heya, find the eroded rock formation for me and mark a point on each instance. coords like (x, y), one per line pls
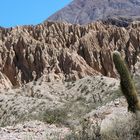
(65, 51)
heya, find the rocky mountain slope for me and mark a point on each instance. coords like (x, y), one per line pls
(65, 51)
(53, 84)
(86, 11)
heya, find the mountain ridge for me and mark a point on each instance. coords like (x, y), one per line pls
(86, 11)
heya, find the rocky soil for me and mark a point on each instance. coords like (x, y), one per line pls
(90, 107)
(33, 130)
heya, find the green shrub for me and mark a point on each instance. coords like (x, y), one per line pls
(57, 116)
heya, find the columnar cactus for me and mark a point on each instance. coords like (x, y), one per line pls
(126, 82)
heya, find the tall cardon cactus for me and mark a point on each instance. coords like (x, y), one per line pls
(126, 82)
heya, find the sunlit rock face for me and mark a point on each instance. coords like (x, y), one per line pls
(65, 51)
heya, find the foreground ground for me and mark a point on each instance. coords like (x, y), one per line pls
(90, 108)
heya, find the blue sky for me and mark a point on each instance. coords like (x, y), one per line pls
(24, 12)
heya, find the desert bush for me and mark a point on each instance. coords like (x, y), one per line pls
(53, 116)
(87, 131)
